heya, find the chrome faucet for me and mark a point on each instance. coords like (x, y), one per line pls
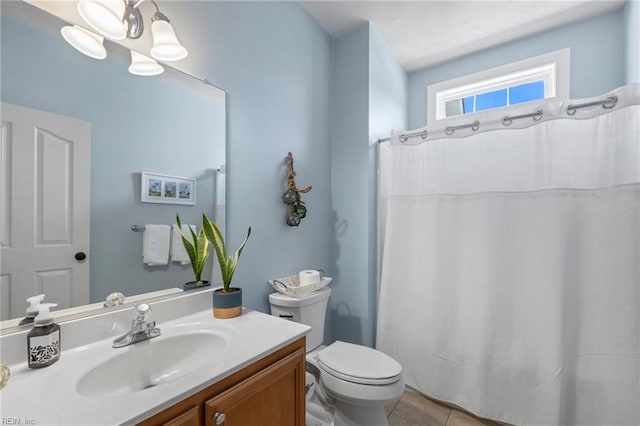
(142, 328)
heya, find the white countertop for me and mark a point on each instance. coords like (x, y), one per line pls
(48, 396)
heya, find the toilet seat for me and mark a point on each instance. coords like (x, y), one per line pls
(359, 364)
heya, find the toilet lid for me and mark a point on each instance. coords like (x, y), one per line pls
(359, 364)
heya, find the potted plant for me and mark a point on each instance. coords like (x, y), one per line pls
(227, 301)
(198, 250)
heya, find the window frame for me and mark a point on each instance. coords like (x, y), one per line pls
(552, 67)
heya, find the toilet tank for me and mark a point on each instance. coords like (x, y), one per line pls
(310, 310)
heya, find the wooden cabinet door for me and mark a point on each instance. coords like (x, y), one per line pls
(273, 396)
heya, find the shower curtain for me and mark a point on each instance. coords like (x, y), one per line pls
(510, 263)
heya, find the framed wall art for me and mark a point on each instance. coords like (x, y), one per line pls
(165, 189)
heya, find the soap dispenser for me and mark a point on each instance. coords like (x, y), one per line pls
(43, 341)
(32, 309)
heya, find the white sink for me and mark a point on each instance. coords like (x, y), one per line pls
(151, 363)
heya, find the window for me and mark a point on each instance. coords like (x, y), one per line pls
(534, 79)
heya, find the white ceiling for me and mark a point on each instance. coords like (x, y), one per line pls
(428, 32)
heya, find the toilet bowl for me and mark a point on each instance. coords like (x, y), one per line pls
(347, 384)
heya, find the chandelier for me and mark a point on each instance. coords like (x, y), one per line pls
(121, 19)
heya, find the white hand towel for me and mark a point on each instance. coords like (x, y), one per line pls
(155, 244)
(178, 252)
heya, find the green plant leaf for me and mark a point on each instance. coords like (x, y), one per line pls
(227, 265)
(196, 247)
(214, 236)
(233, 260)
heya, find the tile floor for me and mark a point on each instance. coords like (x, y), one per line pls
(415, 410)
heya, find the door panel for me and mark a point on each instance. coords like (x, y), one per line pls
(53, 189)
(56, 284)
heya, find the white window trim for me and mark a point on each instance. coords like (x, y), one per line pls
(552, 67)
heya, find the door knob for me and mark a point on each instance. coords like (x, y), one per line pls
(80, 256)
(219, 418)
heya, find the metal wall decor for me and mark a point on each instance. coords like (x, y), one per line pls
(297, 210)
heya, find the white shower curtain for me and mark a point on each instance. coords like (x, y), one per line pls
(510, 264)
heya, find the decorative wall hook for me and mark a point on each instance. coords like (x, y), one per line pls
(297, 210)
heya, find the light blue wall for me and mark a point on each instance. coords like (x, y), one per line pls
(42, 71)
(274, 63)
(350, 314)
(369, 90)
(632, 33)
(387, 110)
(597, 60)
(387, 89)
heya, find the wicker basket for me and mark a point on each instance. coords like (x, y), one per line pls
(291, 285)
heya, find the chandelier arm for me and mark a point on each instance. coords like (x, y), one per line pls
(157, 8)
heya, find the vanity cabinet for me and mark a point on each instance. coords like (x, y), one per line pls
(268, 392)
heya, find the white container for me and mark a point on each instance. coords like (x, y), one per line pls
(308, 310)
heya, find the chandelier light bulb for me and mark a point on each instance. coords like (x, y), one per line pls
(144, 65)
(104, 16)
(85, 41)
(165, 43)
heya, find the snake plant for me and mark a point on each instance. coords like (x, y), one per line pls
(197, 248)
(227, 264)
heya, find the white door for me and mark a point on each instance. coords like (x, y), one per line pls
(44, 191)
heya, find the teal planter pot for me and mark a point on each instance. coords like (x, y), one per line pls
(227, 305)
(195, 285)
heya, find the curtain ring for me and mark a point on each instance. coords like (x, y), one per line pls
(424, 135)
(449, 131)
(475, 126)
(403, 138)
(610, 102)
(538, 116)
(506, 121)
(571, 110)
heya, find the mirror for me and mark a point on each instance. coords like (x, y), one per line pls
(172, 124)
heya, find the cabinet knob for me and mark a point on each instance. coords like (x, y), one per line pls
(219, 418)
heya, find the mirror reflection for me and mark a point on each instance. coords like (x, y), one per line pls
(76, 135)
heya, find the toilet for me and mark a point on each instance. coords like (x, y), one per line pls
(347, 384)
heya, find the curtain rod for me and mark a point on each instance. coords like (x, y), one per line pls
(608, 103)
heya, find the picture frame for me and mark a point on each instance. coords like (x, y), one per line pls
(166, 189)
